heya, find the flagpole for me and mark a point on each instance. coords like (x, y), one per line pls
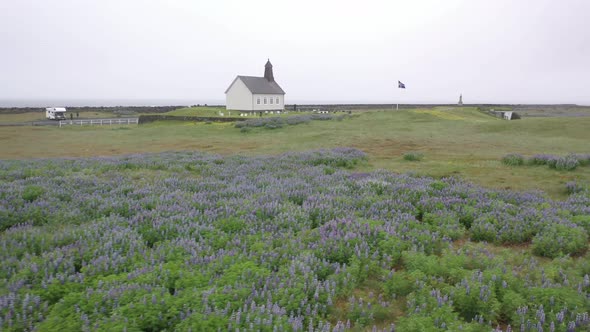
(397, 99)
(393, 98)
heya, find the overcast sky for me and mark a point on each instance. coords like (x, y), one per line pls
(496, 51)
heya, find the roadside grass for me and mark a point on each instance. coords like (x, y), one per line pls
(458, 142)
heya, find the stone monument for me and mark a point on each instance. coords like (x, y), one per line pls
(461, 100)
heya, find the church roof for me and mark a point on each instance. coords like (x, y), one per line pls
(259, 85)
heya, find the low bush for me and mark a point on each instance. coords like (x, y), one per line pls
(573, 187)
(399, 284)
(567, 163)
(279, 122)
(558, 240)
(413, 156)
(583, 159)
(31, 193)
(273, 125)
(541, 159)
(513, 159)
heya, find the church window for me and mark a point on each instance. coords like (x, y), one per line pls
(258, 101)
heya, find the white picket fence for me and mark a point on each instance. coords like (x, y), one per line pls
(99, 122)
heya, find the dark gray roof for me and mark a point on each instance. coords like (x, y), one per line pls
(259, 85)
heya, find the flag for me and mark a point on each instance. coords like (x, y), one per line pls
(401, 85)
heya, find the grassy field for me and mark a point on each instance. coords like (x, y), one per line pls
(132, 242)
(454, 141)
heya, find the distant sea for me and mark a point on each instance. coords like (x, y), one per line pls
(104, 102)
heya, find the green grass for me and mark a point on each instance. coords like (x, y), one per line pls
(457, 142)
(197, 111)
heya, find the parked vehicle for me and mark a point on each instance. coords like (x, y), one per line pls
(55, 113)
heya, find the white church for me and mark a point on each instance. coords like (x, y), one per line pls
(255, 94)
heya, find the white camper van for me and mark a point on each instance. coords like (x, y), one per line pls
(55, 113)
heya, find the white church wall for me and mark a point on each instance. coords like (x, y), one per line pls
(238, 97)
(268, 106)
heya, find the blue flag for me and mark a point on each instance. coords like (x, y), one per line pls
(401, 85)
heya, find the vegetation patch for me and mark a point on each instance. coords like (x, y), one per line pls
(298, 241)
(513, 159)
(564, 163)
(280, 122)
(447, 115)
(413, 156)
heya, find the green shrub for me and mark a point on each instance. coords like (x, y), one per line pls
(32, 192)
(445, 223)
(394, 247)
(567, 163)
(573, 187)
(513, 159)
(329, 170)
(438, 185)
(273, 125)
(413, 156)
(230, 225)
(484, 229)
(466, 215)
(542, 159)
(584, 159)
(582, 221)
(511, 301)
(557, 240)
(400, 284)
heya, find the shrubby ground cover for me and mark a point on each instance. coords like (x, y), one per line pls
(413, 156)
(567, 163)
(300, 241)
(279, 122)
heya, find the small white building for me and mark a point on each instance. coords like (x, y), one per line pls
(255, 94)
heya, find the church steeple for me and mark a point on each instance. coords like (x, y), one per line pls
(268, 71)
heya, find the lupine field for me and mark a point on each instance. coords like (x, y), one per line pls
(295, 242)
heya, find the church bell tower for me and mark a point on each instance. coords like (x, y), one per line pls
(268, 71)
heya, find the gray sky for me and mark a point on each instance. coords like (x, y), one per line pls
(496, 51)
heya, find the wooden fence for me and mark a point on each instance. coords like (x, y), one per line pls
(99, 122)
